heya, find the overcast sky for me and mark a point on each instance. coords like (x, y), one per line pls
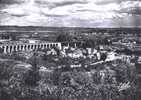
(71, 13)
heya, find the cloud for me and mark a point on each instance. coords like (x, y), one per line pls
(10, 1)
(104, 2)
(59, 3)
(131, 11)
(83, 13)
(130, 7)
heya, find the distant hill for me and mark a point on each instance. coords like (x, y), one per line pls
(65, 29)
(38, 28)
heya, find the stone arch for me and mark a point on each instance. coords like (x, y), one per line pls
(10, 49)
(54, 45)
(7, 48)
(41, 45)
(47, 45)
(51, 45)
(35, 46)
(44, 45)
(22, 47)
(28, 47)
(18, 47)
(4, 49)
(25, 47)
(32, 46)
(14, 47)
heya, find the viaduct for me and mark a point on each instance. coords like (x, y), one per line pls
(8, 48)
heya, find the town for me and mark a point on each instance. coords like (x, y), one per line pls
(70, 63)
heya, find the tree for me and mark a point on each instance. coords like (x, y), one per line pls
(103, 56)
(89, 43)
(13, 37)
(64, 38)
(32, 76)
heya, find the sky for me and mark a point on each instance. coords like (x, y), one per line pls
(71, 13)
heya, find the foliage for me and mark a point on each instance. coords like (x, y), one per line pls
(32, 76)
(64, 38)
(110, 81)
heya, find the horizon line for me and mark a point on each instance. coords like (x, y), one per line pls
(68, 26)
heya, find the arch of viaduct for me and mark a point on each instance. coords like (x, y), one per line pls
(8, 48)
